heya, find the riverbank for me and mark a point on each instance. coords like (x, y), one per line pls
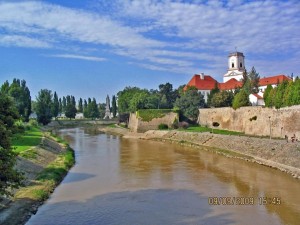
(44, 167)
(274, 153)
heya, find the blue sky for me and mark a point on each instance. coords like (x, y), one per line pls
(97, 47)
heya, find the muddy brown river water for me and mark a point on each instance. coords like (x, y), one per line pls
(129, 181)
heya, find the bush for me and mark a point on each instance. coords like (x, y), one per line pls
(33, 123)
(183, 125)
(19, 127)
(163, 126)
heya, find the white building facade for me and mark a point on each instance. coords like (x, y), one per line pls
(236, 67)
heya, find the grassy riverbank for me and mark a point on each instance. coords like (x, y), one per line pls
(46, 181)
(45, 160)
(31, 137)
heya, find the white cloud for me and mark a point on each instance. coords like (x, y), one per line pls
(170, 35)
(82, 57)
(22, 41)
(72, 24)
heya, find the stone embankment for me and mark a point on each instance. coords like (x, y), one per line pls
(17, 210)
(275, 153)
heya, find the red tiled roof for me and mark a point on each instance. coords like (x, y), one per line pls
(273, 80)
(207, 83)
(230, 84)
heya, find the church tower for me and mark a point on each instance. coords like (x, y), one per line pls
(236, 66)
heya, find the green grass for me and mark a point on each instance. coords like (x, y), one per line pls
(197, 128)
(56, 170)
(149, 114)
(48, 179)
(112, 125)
(24, 141)
(29, 154)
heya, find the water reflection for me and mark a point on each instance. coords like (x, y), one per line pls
(124, 181)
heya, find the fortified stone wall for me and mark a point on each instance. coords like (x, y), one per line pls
(137, 125)
(255, 120)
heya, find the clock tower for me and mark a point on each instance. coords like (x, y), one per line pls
(236, 66)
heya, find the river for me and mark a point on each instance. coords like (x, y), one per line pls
(129, 181)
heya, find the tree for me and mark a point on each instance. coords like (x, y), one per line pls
(241, 99)
(114, 106)
(267, 96)
(93, 109)
(212, 93)
(132, 99)
(43, 106)
(80, 106)
(84, 105)
(251, 81)
(70, 107)
(73, 101)
(55, 106)
(21, 95)
(222, 99)
(9, 177)
(280, 94)
(64, 104)
(166, 91)
(189, 104)
(101, 109)
(60, 106)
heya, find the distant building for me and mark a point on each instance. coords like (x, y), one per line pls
(79, 116)
(232, 79)
(33, 115)
(257, 99)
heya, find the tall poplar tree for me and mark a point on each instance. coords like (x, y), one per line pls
(55, 106)
(43, 106)
(114, 106)
(80, 106)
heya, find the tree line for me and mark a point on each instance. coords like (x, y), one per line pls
(187, 102)
(48, 105)
(285, 94)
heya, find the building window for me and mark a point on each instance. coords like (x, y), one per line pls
(232, 65)
(241, 65)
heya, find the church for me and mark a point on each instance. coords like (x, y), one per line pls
(232, 79)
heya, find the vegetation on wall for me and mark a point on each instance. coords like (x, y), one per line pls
(149, 114)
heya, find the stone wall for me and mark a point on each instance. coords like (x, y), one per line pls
(137, 125)
(254, 120)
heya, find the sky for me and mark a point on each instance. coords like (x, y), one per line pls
(97, 47)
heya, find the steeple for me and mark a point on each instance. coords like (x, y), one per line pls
(236, 66)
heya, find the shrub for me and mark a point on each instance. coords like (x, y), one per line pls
(33, 123)
(163, 126)
(183, 125)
